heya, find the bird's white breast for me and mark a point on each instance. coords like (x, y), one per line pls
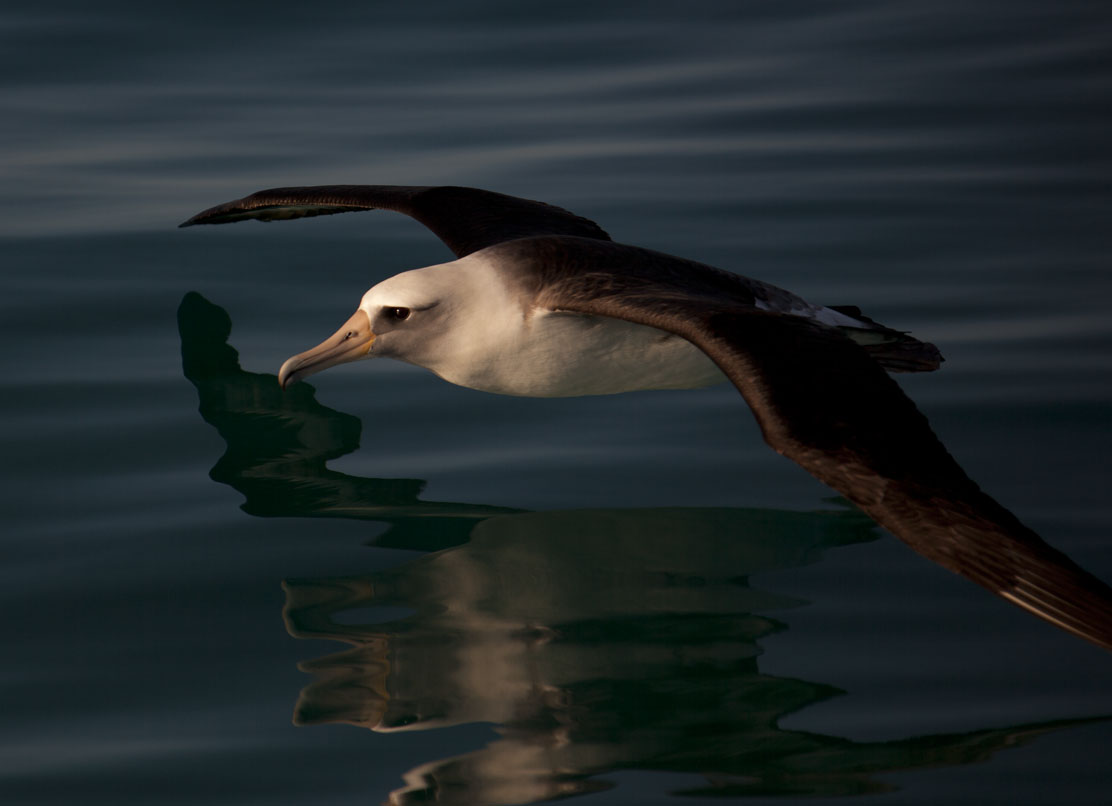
(562, 354)
(498, 344)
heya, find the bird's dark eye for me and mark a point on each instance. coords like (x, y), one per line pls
(398, 313)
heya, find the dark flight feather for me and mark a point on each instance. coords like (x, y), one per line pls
(823, 402)
(466, 219)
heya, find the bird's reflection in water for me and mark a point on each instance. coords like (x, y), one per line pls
(593, 641)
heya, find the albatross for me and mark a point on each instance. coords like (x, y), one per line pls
(541, 302)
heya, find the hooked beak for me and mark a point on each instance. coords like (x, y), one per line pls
(350, 343)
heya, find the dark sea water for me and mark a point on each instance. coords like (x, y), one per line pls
(380, 587)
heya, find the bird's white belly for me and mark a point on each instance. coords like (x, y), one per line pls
(563, 355)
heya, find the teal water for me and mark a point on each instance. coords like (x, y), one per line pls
(379, 587)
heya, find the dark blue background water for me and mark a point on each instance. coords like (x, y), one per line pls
(628, 598)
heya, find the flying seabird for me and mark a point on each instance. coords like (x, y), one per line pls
(541, 302)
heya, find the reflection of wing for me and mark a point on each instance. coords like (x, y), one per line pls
(824, 403)
(466, 219)
(279, 444)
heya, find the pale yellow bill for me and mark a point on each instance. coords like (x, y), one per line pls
(350, 343)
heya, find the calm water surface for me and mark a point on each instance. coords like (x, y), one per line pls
(383, 588)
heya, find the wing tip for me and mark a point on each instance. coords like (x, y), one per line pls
(221, 214)
(233, 212)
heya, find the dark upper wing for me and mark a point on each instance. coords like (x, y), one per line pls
(466, 219)
(823, 402)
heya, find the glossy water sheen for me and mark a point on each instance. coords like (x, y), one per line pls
(630, 599)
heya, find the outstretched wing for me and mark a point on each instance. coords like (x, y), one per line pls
(466, 219)
(823, 402)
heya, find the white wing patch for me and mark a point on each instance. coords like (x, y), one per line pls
(826, 316)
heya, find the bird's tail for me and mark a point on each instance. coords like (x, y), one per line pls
(894, 350)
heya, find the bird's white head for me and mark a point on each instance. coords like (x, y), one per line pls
(410, 317)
